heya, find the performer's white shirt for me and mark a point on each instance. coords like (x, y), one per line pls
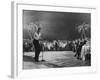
(37, 36)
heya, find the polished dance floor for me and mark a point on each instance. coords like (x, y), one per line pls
(53, 59)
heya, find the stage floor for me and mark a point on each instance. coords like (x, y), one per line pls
(53, 59)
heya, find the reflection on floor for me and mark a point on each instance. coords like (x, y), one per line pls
(53, 59)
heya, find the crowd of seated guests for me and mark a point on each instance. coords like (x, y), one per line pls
(46, 45)
(56, 45)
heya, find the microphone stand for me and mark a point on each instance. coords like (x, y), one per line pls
(42, 54)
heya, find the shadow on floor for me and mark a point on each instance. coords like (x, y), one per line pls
(28, 59)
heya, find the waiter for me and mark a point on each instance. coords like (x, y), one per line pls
(37, 47)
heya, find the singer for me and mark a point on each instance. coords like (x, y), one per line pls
(37, 47)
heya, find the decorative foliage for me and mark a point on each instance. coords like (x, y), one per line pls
(82, 29)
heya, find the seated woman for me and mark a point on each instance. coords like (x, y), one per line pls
(85, 51)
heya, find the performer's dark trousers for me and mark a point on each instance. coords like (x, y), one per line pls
(37, 49)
